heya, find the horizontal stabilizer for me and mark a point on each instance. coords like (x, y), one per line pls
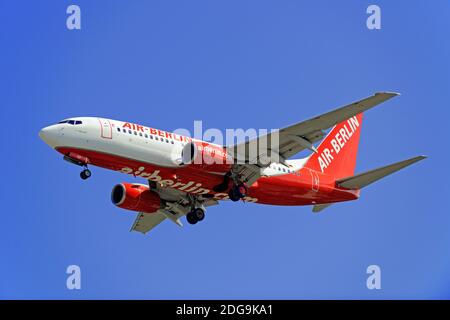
(319, 207)
(364, 179)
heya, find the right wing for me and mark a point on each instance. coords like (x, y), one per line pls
(147, 221)
(175, 205)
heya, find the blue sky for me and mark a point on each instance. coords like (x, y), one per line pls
(231, 64)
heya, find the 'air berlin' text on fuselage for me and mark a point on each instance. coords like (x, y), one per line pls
(155, 132)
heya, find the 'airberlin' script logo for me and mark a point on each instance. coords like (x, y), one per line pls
(189, 187)
(338, 142)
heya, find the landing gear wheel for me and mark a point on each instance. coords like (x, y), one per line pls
(191, 218)
(86, 173)
(199, 214)
(196, 215)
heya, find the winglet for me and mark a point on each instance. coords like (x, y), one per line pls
(388, 93)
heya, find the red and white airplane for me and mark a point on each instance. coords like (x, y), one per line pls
(180, 185)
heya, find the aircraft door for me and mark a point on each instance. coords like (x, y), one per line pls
(315, 182)
(105, 128)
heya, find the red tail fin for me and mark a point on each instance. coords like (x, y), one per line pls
(336, 155)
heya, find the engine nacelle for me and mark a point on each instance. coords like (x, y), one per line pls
(135, 197)
(206, 156)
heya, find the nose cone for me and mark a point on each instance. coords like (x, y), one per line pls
(50, 135)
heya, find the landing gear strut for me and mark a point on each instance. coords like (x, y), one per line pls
(196, 215)
(86, 173)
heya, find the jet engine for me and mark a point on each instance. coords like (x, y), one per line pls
(135, 197)
(206, 156)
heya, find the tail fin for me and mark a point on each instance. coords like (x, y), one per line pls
(336, 155)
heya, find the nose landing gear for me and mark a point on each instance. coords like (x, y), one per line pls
(86, 173)
(79, 161)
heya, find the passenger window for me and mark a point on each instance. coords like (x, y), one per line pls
(156, 138)
(135, 133)
(146, 136)
(140, 133)
(129, 131)
(167, 140)
(171, 141)
(151, 137)
(118, 129)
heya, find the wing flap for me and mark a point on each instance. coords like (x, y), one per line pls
(147, 221)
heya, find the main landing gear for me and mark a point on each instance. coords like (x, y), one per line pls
(86, 173)
(196, 215)
(197, 212)
(237, 192)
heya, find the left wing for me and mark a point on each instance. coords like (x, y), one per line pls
(300, 136)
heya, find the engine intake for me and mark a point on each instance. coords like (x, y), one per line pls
(135, 197)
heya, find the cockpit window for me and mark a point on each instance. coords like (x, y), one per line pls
(72, 122)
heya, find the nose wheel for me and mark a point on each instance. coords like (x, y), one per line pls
(86, 173)
(196, 215)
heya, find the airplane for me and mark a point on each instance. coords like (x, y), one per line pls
(178, 185)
